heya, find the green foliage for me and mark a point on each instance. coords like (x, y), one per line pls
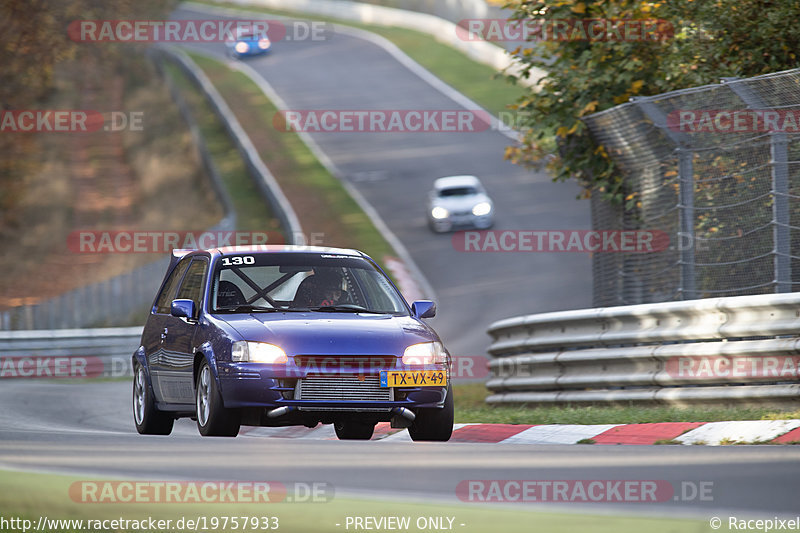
(701, 42)
(35, 40)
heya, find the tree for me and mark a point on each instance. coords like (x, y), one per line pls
(699, 42)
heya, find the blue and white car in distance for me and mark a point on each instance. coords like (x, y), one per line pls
(248, 43)
(287, 335)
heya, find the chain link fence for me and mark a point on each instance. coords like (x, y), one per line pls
(718, 169)
(123, 299)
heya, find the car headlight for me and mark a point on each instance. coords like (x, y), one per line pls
(257, 352)
(241, 47)
(483, 208)
(439, 213)
(426, 353)
(263, 43)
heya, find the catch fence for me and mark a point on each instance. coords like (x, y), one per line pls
(717, 168)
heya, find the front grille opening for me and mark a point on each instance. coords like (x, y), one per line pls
(342, 387)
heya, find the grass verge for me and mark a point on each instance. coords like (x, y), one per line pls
(30, 496)
(252, 211)
(470, 407)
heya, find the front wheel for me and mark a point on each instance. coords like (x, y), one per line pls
(434, 424)
(353, 430)
(148, 419)
(213, 419)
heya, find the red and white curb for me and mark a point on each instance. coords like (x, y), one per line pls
(708, 433)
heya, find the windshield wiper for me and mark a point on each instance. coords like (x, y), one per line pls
(248, 308)
(345, 308)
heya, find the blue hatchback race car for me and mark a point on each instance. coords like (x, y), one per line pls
(248, 43)
(287, 335)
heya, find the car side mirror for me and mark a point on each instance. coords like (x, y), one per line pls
(182, 308)
(423, 309)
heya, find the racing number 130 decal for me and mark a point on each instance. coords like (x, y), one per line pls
(239, 260)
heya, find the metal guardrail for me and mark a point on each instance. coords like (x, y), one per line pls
(68, 353)
(743, 348)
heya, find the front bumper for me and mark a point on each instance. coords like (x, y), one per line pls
(271, 386)
(252, 50)
(461, 221)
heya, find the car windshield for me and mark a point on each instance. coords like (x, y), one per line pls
(245, 35)
(328, 283)
(457, 191)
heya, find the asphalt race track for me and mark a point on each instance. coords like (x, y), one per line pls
(88, 429)
(394, 172)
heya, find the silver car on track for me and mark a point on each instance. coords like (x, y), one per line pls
(458, 202)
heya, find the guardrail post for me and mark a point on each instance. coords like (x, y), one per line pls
(686, 224)
(685, 235)
(77, 303)
(63, 318)
(31, 312)
(49, 321)
(779, 162)
(780, 212)
(105, 296)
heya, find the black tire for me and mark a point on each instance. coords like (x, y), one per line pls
(434, 424)
(148, 419)
(213, 419)
(353, 429)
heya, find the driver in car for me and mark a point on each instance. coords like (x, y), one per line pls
(331, 294)
(322, 289)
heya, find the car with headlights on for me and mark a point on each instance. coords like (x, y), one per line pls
(248, 43)
(459, 202)
(289, 335)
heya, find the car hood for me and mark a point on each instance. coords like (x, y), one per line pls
(460, 203)
(316, 333)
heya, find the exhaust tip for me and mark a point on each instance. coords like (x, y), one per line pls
(280, 411)
(408, 414)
